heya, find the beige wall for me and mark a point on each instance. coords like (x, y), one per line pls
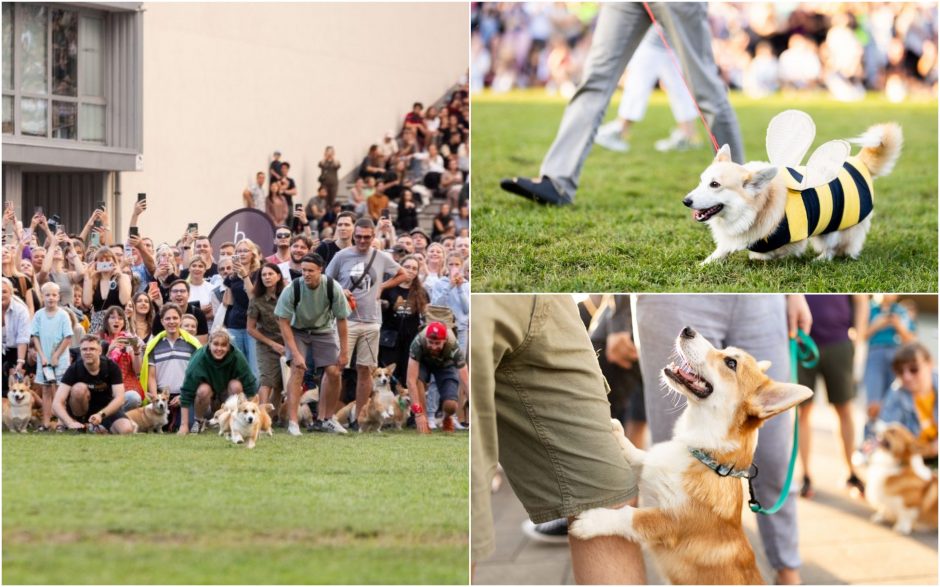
(226, 84)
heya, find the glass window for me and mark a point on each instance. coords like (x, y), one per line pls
(63, 120)
(7, 48)
(91, 123)
(32, 49)
(91, 57)
(64, 53)
(7, 114)
(33, 116)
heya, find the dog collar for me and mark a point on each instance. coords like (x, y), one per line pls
(722, 470)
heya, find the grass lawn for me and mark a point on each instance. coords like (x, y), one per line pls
(628, 230)
(361, 509)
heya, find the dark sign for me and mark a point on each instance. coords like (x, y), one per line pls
(241, 224)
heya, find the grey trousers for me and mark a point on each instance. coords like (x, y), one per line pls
(758, 325)
(620, 28)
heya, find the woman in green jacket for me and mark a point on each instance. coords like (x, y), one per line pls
(215, 372)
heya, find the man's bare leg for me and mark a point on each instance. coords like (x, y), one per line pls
(606, 560)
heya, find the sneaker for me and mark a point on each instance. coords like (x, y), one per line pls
(315, 426)
(541, 191)
(609, 137)
(554, 532)
(676, 142)
(447, 424)
(457, 424)
(432, 423)
(332, 426)
(198, 426)
(807, 489)
(293, 429)
(855, 484)
(353, 427)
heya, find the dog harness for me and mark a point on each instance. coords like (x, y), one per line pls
(837, 205)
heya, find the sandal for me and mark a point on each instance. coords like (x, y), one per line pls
(855, 483)
(807, 489)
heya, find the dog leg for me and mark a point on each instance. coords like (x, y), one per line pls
(634, 456)
(905, 523)
(719, 254)
(879, 516)
(237, 437)
(604, 522)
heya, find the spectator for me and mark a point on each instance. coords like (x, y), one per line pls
(443, 223)
(200, 290)
(402, 309)
(300, 246)
(92, 392)
(329, 178)
(435, 267)
(452, 182)
(277, 205)
(22, 287)
(343, 240)
(453, 291)
(913, 400)
(253, 196)
(247, 266)
(179, 295)
(165, 359)
(420, 239)
(312, 321)
(435, 354)
(282, 240)
(389, 145)
(215, 372)
(360, 270)
(375, 204)
(51, 332)
(142, 314)
(16, 332)
(407, 218)
(889, 326)
(373, 165)
(275, 168)
(262, 326)
(121, 346)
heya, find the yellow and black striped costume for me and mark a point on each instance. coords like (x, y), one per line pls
(839, 204)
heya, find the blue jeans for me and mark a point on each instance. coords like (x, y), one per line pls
(246, 344)
(878, 372)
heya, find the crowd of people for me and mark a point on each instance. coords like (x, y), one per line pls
(426, 161)
(103, 326)
(760, 48)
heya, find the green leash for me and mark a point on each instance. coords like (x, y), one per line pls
(803, 351)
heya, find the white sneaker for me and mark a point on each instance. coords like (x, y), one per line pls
(457, 424)
(676, 142)
(608, 136)
(293, 429)
(334, 427)
(432, 423)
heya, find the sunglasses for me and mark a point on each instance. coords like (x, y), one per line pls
(912, 369)
(282, 235)
(364, 237)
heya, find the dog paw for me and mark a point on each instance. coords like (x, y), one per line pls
(877, 518)
(250, 444)
(616, 428)
(902, 528)
(594, 523)
(237, 439)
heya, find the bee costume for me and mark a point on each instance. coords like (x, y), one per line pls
(833, 192)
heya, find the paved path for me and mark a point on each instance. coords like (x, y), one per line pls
(837, 542)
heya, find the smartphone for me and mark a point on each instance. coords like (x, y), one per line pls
(9, 204)
(384, 212)
(132, 341)
(133, 231)
(298, 207)
(141, 196)
(100, 205)
(153, 288)
(103, 266)
(37, 211)
(193, 228)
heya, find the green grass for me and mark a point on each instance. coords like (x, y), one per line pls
(362, 509)
(628, 229)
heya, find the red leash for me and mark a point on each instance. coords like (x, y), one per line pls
(675, 62)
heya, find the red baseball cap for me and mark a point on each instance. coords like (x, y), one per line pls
(436, 331)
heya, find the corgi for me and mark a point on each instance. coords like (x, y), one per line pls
(245, 422)
(402, 408)
(18, 406)
(763, 207)
(900, 486)
(223, 416)
(379, 409)
(152, 417)
(690, 514)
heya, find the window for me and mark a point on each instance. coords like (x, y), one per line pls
(53, 73)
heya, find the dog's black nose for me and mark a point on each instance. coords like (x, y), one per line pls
(687, 332)
(687, 201)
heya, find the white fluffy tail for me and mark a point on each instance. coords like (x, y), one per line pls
(881, 147)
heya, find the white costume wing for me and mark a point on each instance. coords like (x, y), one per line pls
(789, 136)
(825, 163)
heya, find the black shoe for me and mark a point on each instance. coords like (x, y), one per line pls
(315, 426)
(541, 191)
(807, 489)
(353, 427)
(856, 483)
(554, 532)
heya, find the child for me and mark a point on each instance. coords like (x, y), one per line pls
(51, 335)
(189, 324)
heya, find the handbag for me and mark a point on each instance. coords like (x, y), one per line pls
(388, 338)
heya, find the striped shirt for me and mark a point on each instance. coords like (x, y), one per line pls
(169, 361)
(843, 202)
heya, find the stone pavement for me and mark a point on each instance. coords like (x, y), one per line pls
(837, 542)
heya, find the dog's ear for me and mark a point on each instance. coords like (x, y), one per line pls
(757, 181)
(723, 154)
(391, 368)
(763, 366)
(776, 397)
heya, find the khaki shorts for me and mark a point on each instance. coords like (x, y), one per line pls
(540, 408)
(363, 340)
